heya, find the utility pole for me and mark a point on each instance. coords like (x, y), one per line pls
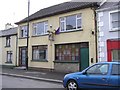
(27, 36)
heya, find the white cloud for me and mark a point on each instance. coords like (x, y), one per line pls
(14, 10)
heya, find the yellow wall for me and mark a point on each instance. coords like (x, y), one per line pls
(68, 37)
(5, 49)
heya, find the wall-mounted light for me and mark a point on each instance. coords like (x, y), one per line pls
(50, 26)
(93, 32)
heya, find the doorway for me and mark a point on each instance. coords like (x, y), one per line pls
(22, 56)
(84, 58)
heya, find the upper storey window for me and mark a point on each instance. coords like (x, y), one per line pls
(69, 23)
(114, 20)
(23, 31)
(40, 28)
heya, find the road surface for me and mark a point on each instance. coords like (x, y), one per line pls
(14, 82)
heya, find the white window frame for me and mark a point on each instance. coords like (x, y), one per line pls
(37, 51)
(64, 21)
(9, 57)
(110, 24)
(24, 31)
(8, 41)
(34, 26)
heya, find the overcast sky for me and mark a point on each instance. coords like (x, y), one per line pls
(14, 10)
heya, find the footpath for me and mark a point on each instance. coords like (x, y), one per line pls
(43, 75)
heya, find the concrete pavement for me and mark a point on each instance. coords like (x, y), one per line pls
(50, 76)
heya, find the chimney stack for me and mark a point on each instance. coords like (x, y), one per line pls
(8, 26)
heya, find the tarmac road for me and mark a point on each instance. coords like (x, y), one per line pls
(14, 83)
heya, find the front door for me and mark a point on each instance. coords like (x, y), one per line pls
(84, 58)
(22, 61)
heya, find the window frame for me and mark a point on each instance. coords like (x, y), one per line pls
(69, 49)
(11, 58)
(110, 21)
(23, 32)
(64, 21)
(112, 70)
(8, 41)
(39, 49)
(35, 31)
(118, 50)
(97, 68)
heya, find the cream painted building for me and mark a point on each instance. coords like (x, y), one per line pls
(61, 37)
(8, 47)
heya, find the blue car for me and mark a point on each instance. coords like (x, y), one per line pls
(98, 76)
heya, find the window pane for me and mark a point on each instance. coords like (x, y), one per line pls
(115, 20)
(23, 31)
(98, 69)
(39, 52)
(115, 24)
(116, 69)
(9, 56)
(115, 16)
(79, 23)
(62, 26)
(104, 69)
(46, 28)
(34, 29)
(40, 28)
(42, 54)
(36, 54)
(7, 41)
(116, 55)
(67, 52)
(70, 22)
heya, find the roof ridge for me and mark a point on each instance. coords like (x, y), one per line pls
(58, 9)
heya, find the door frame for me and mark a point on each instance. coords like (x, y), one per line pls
(20, 56)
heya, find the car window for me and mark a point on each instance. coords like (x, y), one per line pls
(115, 69)
(101, 69)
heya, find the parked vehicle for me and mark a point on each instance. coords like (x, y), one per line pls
(98, 76)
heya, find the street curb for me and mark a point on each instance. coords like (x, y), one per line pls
(34, 78)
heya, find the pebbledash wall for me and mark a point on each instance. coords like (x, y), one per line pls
(84, 35)
(108, 38)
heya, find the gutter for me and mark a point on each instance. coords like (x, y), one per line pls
(105, 9)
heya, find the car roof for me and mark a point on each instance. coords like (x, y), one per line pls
(109, 62)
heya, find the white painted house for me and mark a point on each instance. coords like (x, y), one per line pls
(108, 20)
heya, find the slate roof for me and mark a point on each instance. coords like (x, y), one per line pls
(110, 5)
(11, 31)
(59, 9)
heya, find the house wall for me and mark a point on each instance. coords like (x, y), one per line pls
(11, 48)
(104, 33)
(0, 50)
(67, 37)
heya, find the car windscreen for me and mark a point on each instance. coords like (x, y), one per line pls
(115, 69)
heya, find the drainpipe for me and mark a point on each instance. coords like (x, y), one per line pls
(16, 49)
(95, 20)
